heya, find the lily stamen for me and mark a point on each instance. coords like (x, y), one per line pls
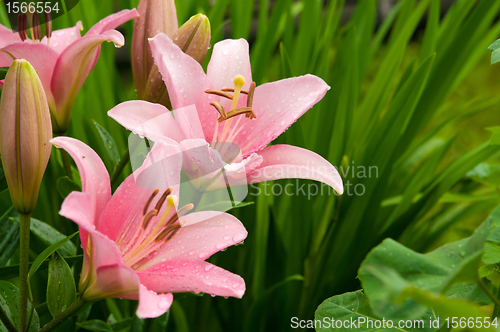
(163, 198)
(22, 22)
(245, 110)
(150, 199)
(219, 109)
(148, 218)
(219, 93)
(245, 92)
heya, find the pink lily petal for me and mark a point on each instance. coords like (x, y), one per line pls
(72, 68)
(151, 304)
(113, 21)
(41, 57)
(147, 119)
(192, 276)
(125, 207)
(277, 106)
(115, 280)
(93, 173)
(286, 161)
(201, 237)
(185, 80)
(187, 118)
(76, 207)
(7, 36)
(230, 57)
(62, 38)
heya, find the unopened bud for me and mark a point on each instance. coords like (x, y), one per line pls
(25, 131)
(155, 16)
(193, 37)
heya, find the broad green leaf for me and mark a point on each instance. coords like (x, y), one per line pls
(9, 300)
(65, 186)
(436, 272)
(491, 254)
(355, 307)
(495, 55)
(46, 253)
(61, 290)
(9, 236)
(95, 325)
(109, 144)
(123, 325)
(495, 135)
(48, 235)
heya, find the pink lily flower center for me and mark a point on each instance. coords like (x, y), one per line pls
(137, 244)
(225, 130)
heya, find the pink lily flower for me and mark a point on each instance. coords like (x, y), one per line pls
(231, 111)
(137, 243)
(64, 61)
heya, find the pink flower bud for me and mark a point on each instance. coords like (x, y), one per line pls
(193, 37)
(25, 132)
(155, 16)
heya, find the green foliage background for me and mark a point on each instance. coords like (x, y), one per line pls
(411, 101)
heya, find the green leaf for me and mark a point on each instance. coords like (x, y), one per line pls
(95, 325)
(354, 306)
(495, 135)
(486, 174)
(12, 271)
(65, 186)
(3, 72)
(9, 236)
(48, 235)
(46, 253)
(436, 271)
(491, 254)
(3, 181)
(9, 300)
(109, 144)
(61, 290)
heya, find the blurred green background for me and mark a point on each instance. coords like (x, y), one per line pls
(412, 93)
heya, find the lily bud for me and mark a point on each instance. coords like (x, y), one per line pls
(155, 16)
(25, 131)
(193, 37)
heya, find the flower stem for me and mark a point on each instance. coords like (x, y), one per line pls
(496, 308)
(66, 164)
(119, 168)
(6, 321)
(24, 249)
(59, 319)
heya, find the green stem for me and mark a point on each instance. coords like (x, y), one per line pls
(63, 316)
(6, 321)
(496, 308)
(24, 250)
(66, 163)
(119, 168)
(488, 292)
